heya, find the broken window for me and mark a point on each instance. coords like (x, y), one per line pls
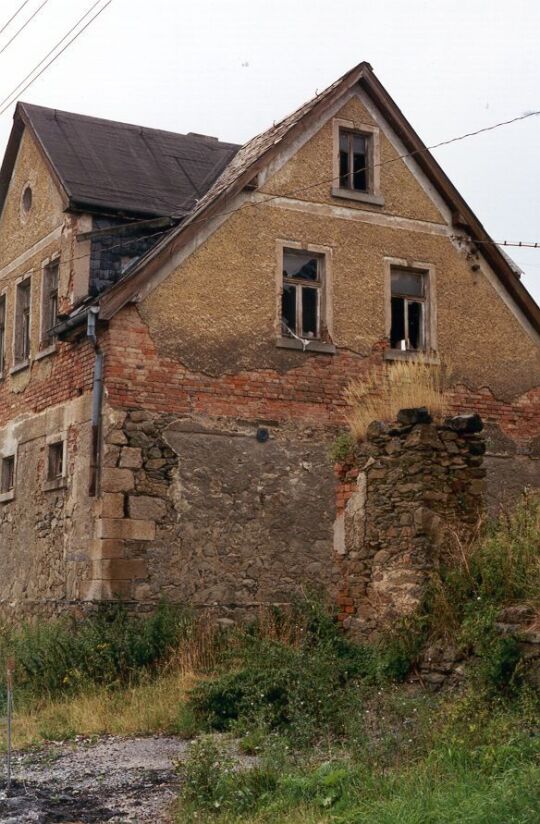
(55, 462)
(353, 161)
(7, 475)
(408, 328)
(49, 306)
(302, 294)
(22, 322)
(2, 333)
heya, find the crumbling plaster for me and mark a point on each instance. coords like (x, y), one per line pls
(46, 533)
(217, 311)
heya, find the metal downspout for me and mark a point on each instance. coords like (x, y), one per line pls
(97, 398)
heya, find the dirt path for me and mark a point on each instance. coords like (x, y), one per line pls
(117, 780)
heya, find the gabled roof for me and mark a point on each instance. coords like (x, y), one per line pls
(106, 166)
(259, 151)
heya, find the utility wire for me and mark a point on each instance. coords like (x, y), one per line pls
(13, 16)
(24, 25)
(18, 90)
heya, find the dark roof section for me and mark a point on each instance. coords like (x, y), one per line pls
(107, 166)
(256, 153)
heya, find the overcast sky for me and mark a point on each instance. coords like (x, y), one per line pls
(229, 68)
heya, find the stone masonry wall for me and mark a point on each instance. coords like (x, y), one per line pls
(413, 486)
(214, 513)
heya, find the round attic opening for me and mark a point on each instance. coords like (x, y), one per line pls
(27, 198)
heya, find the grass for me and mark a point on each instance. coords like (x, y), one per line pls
(337, 734)
(405, 385)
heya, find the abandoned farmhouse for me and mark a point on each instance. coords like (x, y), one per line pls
(179, 319)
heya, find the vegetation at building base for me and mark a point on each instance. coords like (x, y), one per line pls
(331, 731)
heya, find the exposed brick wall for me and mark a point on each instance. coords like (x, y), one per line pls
(136, 377)
(54, 380)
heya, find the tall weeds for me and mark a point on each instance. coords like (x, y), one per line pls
(380, 394)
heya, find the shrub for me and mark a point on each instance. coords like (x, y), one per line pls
(110, 648)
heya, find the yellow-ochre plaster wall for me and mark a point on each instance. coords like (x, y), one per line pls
(402, 193)
(217, 311)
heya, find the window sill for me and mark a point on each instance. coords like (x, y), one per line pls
(311, 346)
(7, 496)
(19, 367)
(55, 483)
(361, 197)
(49, 350)
(411, 355)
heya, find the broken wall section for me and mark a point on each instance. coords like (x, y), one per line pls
(413, 487)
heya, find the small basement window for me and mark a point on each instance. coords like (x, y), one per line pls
(22, 321)
(49, 304)
(409, 310)
(55, 462)
(354, 161)
(301, 301)
(7, 474)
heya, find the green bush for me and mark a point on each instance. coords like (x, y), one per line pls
(110, 648)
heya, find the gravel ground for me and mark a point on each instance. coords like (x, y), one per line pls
(118, 780)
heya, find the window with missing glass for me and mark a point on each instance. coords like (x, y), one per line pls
(302, 295)
(49, 304)
(22, 322)
(7, 473)
(354, 159)
(2, 333)
(409, 308)
(55, 461)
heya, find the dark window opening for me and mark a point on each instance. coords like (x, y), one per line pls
(353, 161)
(408, 310)
(27, 199)
(7, 480)
(2, 333)
(22, 322)
(55, 468)
(49, 309)
(301, 295)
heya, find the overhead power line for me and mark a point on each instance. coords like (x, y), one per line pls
(23, 85)
(14, 15)
(24, 25)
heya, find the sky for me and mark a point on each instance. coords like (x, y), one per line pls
(230, 68)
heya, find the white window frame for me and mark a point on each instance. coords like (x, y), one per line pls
(429, 350)
(373, 195)
(323, 343)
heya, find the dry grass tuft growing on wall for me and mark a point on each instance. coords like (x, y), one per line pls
(381, 393)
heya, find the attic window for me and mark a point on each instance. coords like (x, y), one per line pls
(354, 152)
(356, 162)
(27, 199)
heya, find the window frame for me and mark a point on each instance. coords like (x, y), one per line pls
(429, 349)
(372, 194)
(47, 342)
(8, 494)
(22, 355)
(3, 327)
(57, 481)
(323, 343)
